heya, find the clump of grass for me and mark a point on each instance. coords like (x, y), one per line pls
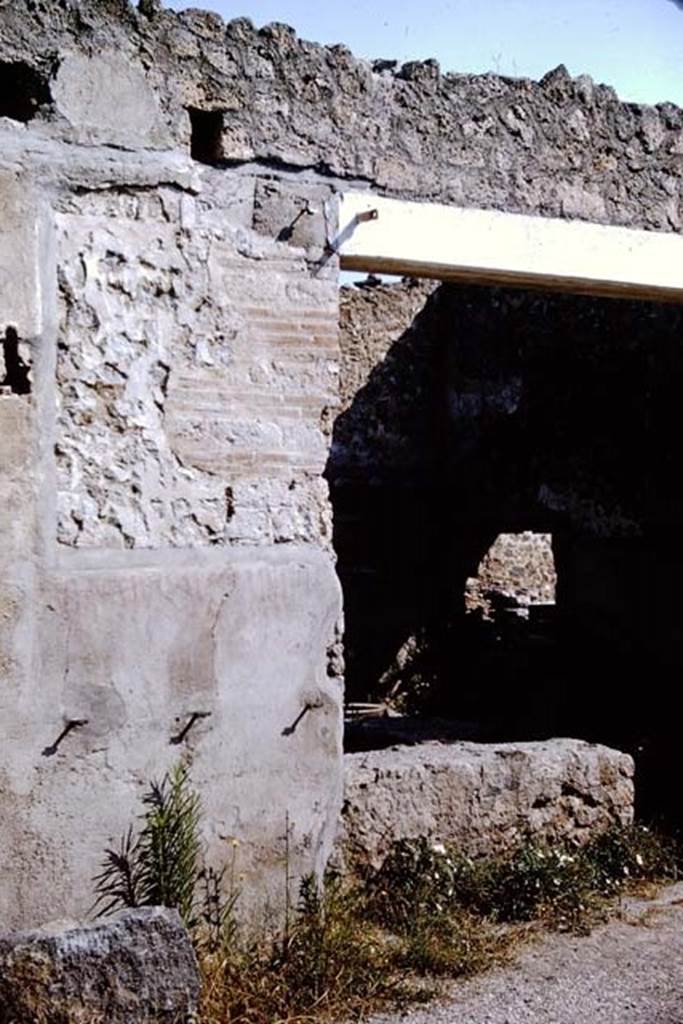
(333, 964)
(416, 878)
(626, 857)
(349, 948)
(571, 888)
(454, 944)
(339, 962)
(555, 885)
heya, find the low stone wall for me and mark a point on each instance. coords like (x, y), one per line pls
(483, 798)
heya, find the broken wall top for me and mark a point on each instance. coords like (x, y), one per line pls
(128, 77)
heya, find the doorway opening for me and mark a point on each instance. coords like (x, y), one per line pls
(504, 494)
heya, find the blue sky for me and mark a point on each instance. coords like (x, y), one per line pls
(634, 45)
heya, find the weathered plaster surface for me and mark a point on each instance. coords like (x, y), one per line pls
(166, 528)
(134, 647)
(180, 428)
(83, 87)
(17, 533)
(194, 365)
(19, 237)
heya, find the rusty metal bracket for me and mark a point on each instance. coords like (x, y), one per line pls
(288, 231)
(333, 247)
(289, 730)
(195, 717)
(73, 723)
(366, 215)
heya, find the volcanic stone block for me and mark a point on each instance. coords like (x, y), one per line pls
(108, 100)
(483, 798)
(137, 968)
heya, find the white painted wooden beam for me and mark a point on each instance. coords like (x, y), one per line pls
(489, 247)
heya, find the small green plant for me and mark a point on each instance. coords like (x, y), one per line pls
(414, 894)
(535, 882)
(331, 964)
(565, 886)
(632, 854)
(159, 867)
(163, 864)
(416, 878)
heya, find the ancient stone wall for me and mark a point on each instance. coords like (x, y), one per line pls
(384, 474)
(169, 371)
(191, 404)
(168, 531)
(560, 147)
(518, 569)
(168, 302)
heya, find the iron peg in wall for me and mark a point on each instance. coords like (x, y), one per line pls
(334, 246)
(73, 723)
(195, 717)
(289, 730)
(287, 232)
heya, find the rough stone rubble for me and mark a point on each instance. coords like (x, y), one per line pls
(518, 569)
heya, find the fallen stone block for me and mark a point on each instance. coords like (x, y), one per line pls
(484, 798)
(136, 968)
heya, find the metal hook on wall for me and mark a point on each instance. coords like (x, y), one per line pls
(289, 730)
(334, 245)
(287, 232)
(73, 723)
(195, 717)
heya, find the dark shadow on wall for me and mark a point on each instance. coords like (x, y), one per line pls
(17, 372)
(386, 478)
(23, 90)
(497, 411)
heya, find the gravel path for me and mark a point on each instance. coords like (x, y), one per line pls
(627, 972)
